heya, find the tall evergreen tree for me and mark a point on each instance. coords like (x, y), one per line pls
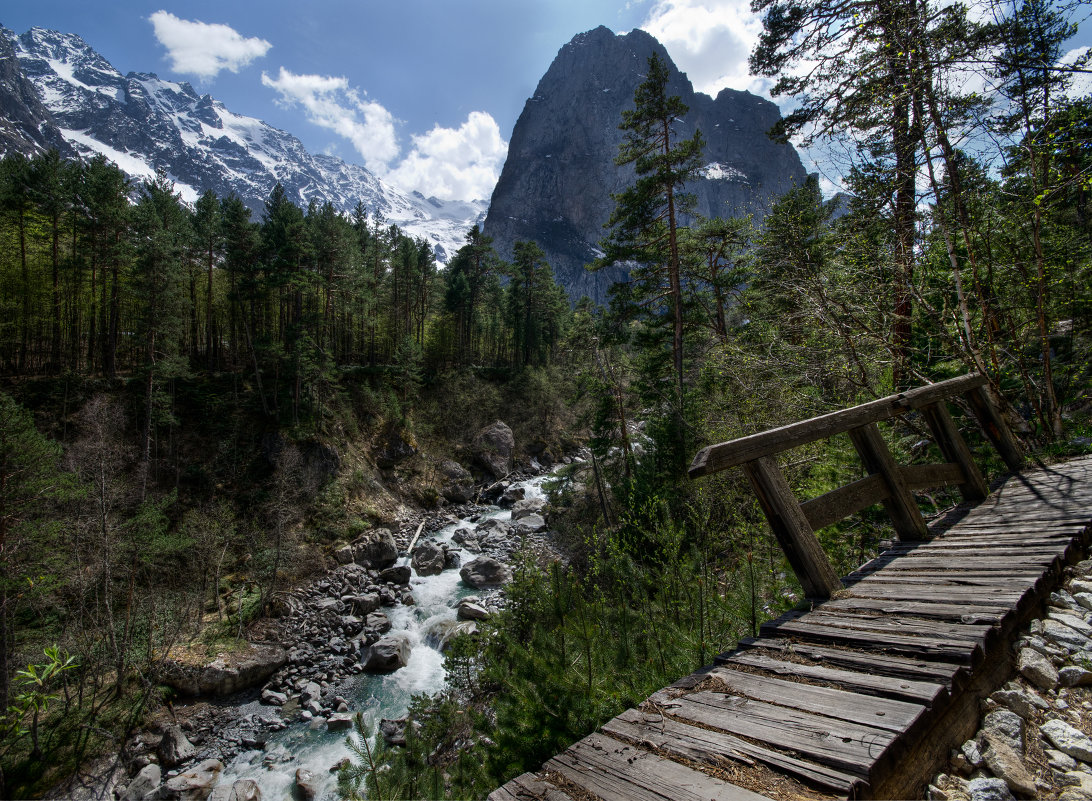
(646, 218)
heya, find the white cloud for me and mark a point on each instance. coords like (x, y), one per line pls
(709, 40)
(331, 103)
(450, 163)
(203, 49)
(1081, 82)
(454, 163)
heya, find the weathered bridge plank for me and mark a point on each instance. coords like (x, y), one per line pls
(861, 695)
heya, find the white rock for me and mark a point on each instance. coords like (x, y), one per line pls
(1060, 761)
(1068, 740)
(1073, 621)
(1074, 676)
(1006, 727)
(989, 790)
(1037, 669)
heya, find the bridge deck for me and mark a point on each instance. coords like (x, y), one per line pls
(864, 695)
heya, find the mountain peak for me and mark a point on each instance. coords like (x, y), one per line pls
(556, 185)
(146, 124)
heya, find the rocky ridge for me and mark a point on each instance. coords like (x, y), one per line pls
(556, 185)
(327, 633)
(56, 91)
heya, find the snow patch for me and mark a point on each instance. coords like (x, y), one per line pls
(716, 171)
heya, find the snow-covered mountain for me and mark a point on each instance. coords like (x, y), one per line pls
(144, 123)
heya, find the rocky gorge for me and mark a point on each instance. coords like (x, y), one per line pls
(271, 717)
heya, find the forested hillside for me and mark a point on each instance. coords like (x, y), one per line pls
(198, 407)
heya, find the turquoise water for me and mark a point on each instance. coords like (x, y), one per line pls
(377, 697)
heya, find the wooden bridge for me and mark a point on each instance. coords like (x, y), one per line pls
(863, 694)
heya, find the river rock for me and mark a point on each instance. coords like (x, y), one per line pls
(145, 782)
(238, 790)
(393, 731)
(399, 576)
(511, 495)
(493, 526)
(306, 784)
(311, 692)
(1037, 669)
(1067, 739)
(376, 549)
(428, 559)
(472, 611)
(528, 506)
(462, 535)
(228, 673)
(195, 784)
(451, 558)
(174, 748)
(365, 603)
(274, 698)
(485, 571)
(530, 524)
(492, 449)
(386, 655)
(339, 721)
(377, 621)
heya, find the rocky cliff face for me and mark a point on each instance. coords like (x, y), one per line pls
(57, 91)
(555, 188)
(26, 126)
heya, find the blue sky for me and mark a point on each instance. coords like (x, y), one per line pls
(423, 92)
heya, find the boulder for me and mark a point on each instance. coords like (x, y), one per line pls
(377, 621)
(238, 790)
(511, 495)
(529, 506)
(228, 673)
(1067, 739)
(472, 611)
(274, 698)
(145, 782)
(400, 445)
(195, 784)
(491, 526)
(1007, 765)
(451, 558)
(485, 572)
(376, 549)
(386, 655)
(174, 748)
(428, 559)
(364, 604)
(344, 554)
(989, 790)
(457, 485)
(339, 721)
(396, 575)
(492, 448)
(1006, 727)
(306, 784)
(530, 524)
(1037, 669)
(393, 731)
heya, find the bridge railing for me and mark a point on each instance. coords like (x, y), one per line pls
(794, 523)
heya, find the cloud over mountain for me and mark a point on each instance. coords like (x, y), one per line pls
(204, 49)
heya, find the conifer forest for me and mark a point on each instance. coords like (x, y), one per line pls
(201, 404)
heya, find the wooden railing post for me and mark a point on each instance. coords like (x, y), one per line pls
(955, 450)
(791, 528)
(900, 505)
(995, 428)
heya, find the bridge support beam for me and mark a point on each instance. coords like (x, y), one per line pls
(900, 504)
(791, 528)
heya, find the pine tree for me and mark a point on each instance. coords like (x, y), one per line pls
(646, 218)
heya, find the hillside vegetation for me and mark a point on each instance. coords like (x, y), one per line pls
(197, 404)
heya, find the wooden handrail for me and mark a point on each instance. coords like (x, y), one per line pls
(714, 458)
(794, 523)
